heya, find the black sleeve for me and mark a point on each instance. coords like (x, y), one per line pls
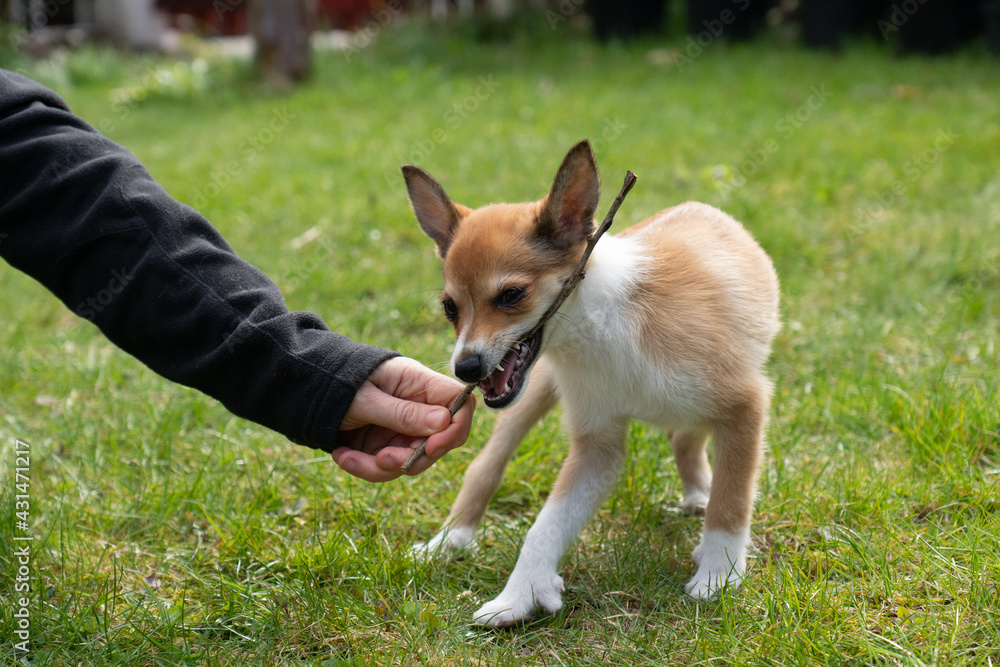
(82, 216)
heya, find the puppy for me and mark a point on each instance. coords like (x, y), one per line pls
(672, 326)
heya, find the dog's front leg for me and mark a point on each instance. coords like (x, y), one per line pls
(485, 473)
(586, 479)
(721, 555)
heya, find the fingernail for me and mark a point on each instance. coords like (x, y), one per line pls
(350, 465)
(438, 419)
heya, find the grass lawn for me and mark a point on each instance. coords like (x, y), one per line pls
(169, 532)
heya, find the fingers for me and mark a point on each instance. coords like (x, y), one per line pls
(399, 405)
(439, 444)
(455, 435)
(386, 463)
(384, 466)
(393, 458)
(408, 417)
(408, 378)
(364, 466)
(372, 405)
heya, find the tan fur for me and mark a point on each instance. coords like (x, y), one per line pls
(492, 248)
(603, 451)
(682, 322)
(691, 458)
(702, 249)
(739, 440)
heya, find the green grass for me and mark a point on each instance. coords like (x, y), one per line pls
(168, 532)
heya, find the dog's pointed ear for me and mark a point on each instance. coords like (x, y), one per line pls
(567, 216)
(437, 214)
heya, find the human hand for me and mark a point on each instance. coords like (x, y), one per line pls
(399, 405)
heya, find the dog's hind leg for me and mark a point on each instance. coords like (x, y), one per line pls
(692, 464)
(590, 472)
(486, 471)
(739, 443)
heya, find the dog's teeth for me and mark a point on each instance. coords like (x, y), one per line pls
(506, 388)
(500, 367)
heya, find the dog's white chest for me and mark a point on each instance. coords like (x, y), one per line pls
(595, 350)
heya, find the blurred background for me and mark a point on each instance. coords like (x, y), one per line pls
(284, 28)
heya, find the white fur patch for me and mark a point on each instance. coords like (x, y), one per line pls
(446, 542)
(534, 585)
(522, 598)
(722, 561)
(459, 350)
(596, 324)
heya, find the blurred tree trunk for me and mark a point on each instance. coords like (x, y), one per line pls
(282, 29)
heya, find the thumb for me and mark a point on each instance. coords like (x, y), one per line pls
(407, 417)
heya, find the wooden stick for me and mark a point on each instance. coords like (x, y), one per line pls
(567, 289)
(455, 406)
(592, 240)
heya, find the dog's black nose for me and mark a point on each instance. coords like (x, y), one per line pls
(470, 368)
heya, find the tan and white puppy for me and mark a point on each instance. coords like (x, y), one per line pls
(672, 326)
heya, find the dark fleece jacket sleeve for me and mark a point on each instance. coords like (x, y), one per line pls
(82, 216)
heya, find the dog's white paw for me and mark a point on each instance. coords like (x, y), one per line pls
(722, 561)
(707, 583)
(694, 503)
(449, 541)
(520, 602)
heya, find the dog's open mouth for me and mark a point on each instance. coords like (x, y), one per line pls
(507, 381)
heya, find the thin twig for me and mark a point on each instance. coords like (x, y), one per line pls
(592, 240)
(567, 289)
(455, 406)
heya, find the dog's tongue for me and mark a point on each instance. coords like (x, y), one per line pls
(495, 383)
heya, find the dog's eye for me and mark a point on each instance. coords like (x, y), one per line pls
(450, 309)
(509, 297)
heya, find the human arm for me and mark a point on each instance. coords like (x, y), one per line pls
(82, 216)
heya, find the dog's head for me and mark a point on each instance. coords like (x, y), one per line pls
(504, 265)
